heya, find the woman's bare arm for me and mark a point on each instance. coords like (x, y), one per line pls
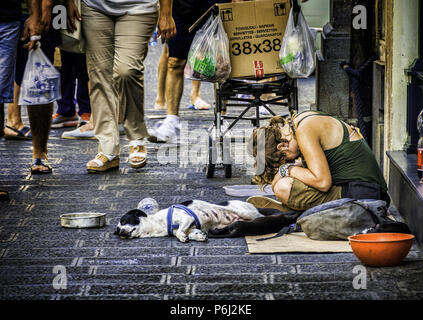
(317, 174)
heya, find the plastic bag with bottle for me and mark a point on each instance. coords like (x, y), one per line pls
(148, 206)
(208, 57)
(297, 53)
(41, 81)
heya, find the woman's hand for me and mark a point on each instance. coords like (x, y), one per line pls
(73, 13)
(166, 27)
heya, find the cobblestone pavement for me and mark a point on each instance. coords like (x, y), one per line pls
(34, 249)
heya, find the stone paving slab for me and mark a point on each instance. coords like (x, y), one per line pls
(101, 266)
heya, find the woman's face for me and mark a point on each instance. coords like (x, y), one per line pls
(290, 146)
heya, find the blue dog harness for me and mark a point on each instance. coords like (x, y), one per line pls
(171, 226)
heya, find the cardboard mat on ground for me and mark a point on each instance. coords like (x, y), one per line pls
(294, 242)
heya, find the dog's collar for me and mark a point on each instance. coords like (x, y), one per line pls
(171, 226)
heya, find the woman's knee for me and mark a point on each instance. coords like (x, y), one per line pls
(175, 64)
(125, 72)
(282, 189)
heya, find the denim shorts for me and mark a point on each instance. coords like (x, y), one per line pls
(9, 36)
(180, 44)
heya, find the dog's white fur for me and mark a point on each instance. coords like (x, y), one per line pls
(210, 216)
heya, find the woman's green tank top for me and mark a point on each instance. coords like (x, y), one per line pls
(352, 160)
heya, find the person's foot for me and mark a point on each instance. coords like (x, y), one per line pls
(103, 163)
(85, 131)
(159, 106)
(137, 154)
(199, 104)
(40, 166)
(84, 119)
(265, 202)
(165, 131)
(4, 195)
(60, 121)
(21, 133)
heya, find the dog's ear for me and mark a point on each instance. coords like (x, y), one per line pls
(137, 213)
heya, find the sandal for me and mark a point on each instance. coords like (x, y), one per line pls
(23, 134)
(4, 195)
(43, 163)
(137, 150)
(199, 104)
(103, 163)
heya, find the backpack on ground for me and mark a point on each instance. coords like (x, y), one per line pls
(339, 219)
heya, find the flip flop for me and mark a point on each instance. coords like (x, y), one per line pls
(40, 162)
(199, 104)
(20, 134)
(4, 195)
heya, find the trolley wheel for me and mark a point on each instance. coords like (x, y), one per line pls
(228, 170)
(210, 166)
(210, 170)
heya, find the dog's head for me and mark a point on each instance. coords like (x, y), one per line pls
(129, 223)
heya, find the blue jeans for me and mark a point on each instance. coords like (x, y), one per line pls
(9, 36)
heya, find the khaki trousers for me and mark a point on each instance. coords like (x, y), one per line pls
(116, 48)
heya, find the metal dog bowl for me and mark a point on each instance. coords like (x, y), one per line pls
(83, 220)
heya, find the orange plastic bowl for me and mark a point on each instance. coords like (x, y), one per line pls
(381, 249)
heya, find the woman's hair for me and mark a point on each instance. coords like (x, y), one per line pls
(273, 158)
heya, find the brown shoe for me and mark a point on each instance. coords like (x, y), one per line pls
(265, 202)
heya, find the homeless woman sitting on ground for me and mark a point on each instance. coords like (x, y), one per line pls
(338, 163)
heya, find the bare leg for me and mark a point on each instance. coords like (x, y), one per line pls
(88, 126)
(40, 117)
(196, 98)
(14, 118)
(195, 90)
(161, 79)
(174, 84)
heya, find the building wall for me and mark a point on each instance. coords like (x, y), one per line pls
(401, 18)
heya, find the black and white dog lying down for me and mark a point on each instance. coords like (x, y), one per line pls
(196, 219)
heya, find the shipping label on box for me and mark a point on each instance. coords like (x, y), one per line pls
(255, 30)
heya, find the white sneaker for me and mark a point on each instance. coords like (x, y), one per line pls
(78, 134)
(165, 131)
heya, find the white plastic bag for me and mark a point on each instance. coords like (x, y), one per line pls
(208, 57)
(297, 54)
(41, 80)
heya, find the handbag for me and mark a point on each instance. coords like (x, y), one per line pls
(73, 42)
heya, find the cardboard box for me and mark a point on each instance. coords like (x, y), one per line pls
(255, 30)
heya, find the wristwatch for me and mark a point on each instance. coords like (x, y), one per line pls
(284, 169)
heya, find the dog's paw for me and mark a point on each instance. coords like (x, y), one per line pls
(197, 235)
(181, 236)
